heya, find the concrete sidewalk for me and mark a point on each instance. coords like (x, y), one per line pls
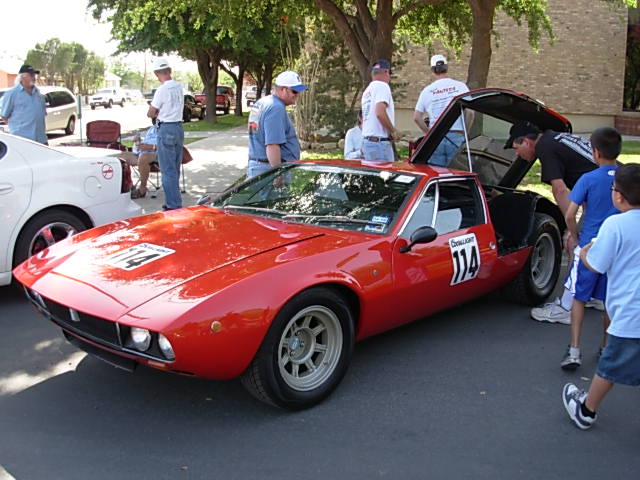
(218, 161)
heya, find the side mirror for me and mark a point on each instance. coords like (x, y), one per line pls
(204, 200)
(421, 235)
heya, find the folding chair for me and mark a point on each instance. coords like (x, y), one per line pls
(155, 168)
(105, 134)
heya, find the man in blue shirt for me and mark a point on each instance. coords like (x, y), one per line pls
(272, 136)
(23, 107)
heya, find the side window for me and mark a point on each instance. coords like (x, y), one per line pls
(65, 98)
(459, 206)
(423, 214)
(49, 100)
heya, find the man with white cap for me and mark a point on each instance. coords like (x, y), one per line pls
(378, 115)
(272, 136)
(24, 107)
(433, 100)
(167, 106)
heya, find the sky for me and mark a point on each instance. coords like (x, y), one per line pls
(36, 21)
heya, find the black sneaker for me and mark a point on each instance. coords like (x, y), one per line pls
(573, 397)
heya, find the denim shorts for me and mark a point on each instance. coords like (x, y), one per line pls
(589, 284)
(620, 361)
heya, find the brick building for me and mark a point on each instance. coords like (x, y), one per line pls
(580, 75)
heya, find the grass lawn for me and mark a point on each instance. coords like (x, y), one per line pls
(223, 122)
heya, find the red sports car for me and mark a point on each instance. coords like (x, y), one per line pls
(275, 279)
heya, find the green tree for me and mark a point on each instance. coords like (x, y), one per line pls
(68, 64)
(204, 31)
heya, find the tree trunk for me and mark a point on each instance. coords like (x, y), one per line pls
(483, 13)
(208, 62)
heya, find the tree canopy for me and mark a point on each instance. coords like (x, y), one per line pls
(67, 63)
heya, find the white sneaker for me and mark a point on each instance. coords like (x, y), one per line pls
(595, 304)
(552, 313)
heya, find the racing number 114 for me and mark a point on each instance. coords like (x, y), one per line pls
(465, 257)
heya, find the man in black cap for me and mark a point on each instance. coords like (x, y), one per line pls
(564, 158)
(23, 107)
(378, 115)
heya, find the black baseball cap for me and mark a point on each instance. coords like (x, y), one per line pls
(28, 69)
(520, 129)
(381, 64)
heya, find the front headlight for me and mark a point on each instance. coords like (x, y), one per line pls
(165, 347)
(140, 338)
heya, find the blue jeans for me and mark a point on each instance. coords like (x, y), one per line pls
(377, 151)
(256, 168)
(447, 149)
(170, 140)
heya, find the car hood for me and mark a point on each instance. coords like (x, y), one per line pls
(125, 264)
(507, 105)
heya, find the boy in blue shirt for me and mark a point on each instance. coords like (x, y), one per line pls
(593, 192)
(616, 252)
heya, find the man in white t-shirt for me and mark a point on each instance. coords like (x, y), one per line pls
(433, 100)
(378, 115)
(167, 107)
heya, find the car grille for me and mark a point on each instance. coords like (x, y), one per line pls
(107, 333)
(93, 328)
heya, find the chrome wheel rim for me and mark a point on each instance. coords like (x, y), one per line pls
(50, 234)
(542, 261)
(309, 348)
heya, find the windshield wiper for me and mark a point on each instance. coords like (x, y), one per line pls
(254, 209)
(331, 219)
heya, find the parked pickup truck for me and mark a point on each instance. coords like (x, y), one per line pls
(224, 98)
(106, 97)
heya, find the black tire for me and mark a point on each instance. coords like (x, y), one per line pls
(43, 230)
(122, 103)
(539, 276)
(186, 115)
(71, 125)
(93, 107)
(226, 109)
(201, 117)
(314, 329)
(110, 104)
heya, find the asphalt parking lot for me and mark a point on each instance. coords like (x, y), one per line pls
(473, 392)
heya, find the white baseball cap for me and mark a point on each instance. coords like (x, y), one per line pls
(438, 60)
(292, 80)
(160, 64)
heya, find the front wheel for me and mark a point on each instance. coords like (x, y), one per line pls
(305, 353)
(539, 275)
(110, 104)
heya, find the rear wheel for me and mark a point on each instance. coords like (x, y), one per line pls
(44, 230)
(93, 107)
(538, 277)
(227, 107)
(110, 104)
(305, 353)
(71, 125)
(122, 103)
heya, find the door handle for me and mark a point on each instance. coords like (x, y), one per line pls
(6, 188)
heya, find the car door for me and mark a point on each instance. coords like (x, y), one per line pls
(450, 269)
(16, 181)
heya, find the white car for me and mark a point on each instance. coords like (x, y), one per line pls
(107, 97)
(48, 194)
(61, 109)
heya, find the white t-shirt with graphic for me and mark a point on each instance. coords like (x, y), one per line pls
(376, 92)
(435, 97)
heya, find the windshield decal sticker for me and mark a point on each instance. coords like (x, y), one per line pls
(465, 257)
(134, 257)
(406, 179)
(380, 219)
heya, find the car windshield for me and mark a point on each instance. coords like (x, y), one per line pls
(221, 90)
(346, 198)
